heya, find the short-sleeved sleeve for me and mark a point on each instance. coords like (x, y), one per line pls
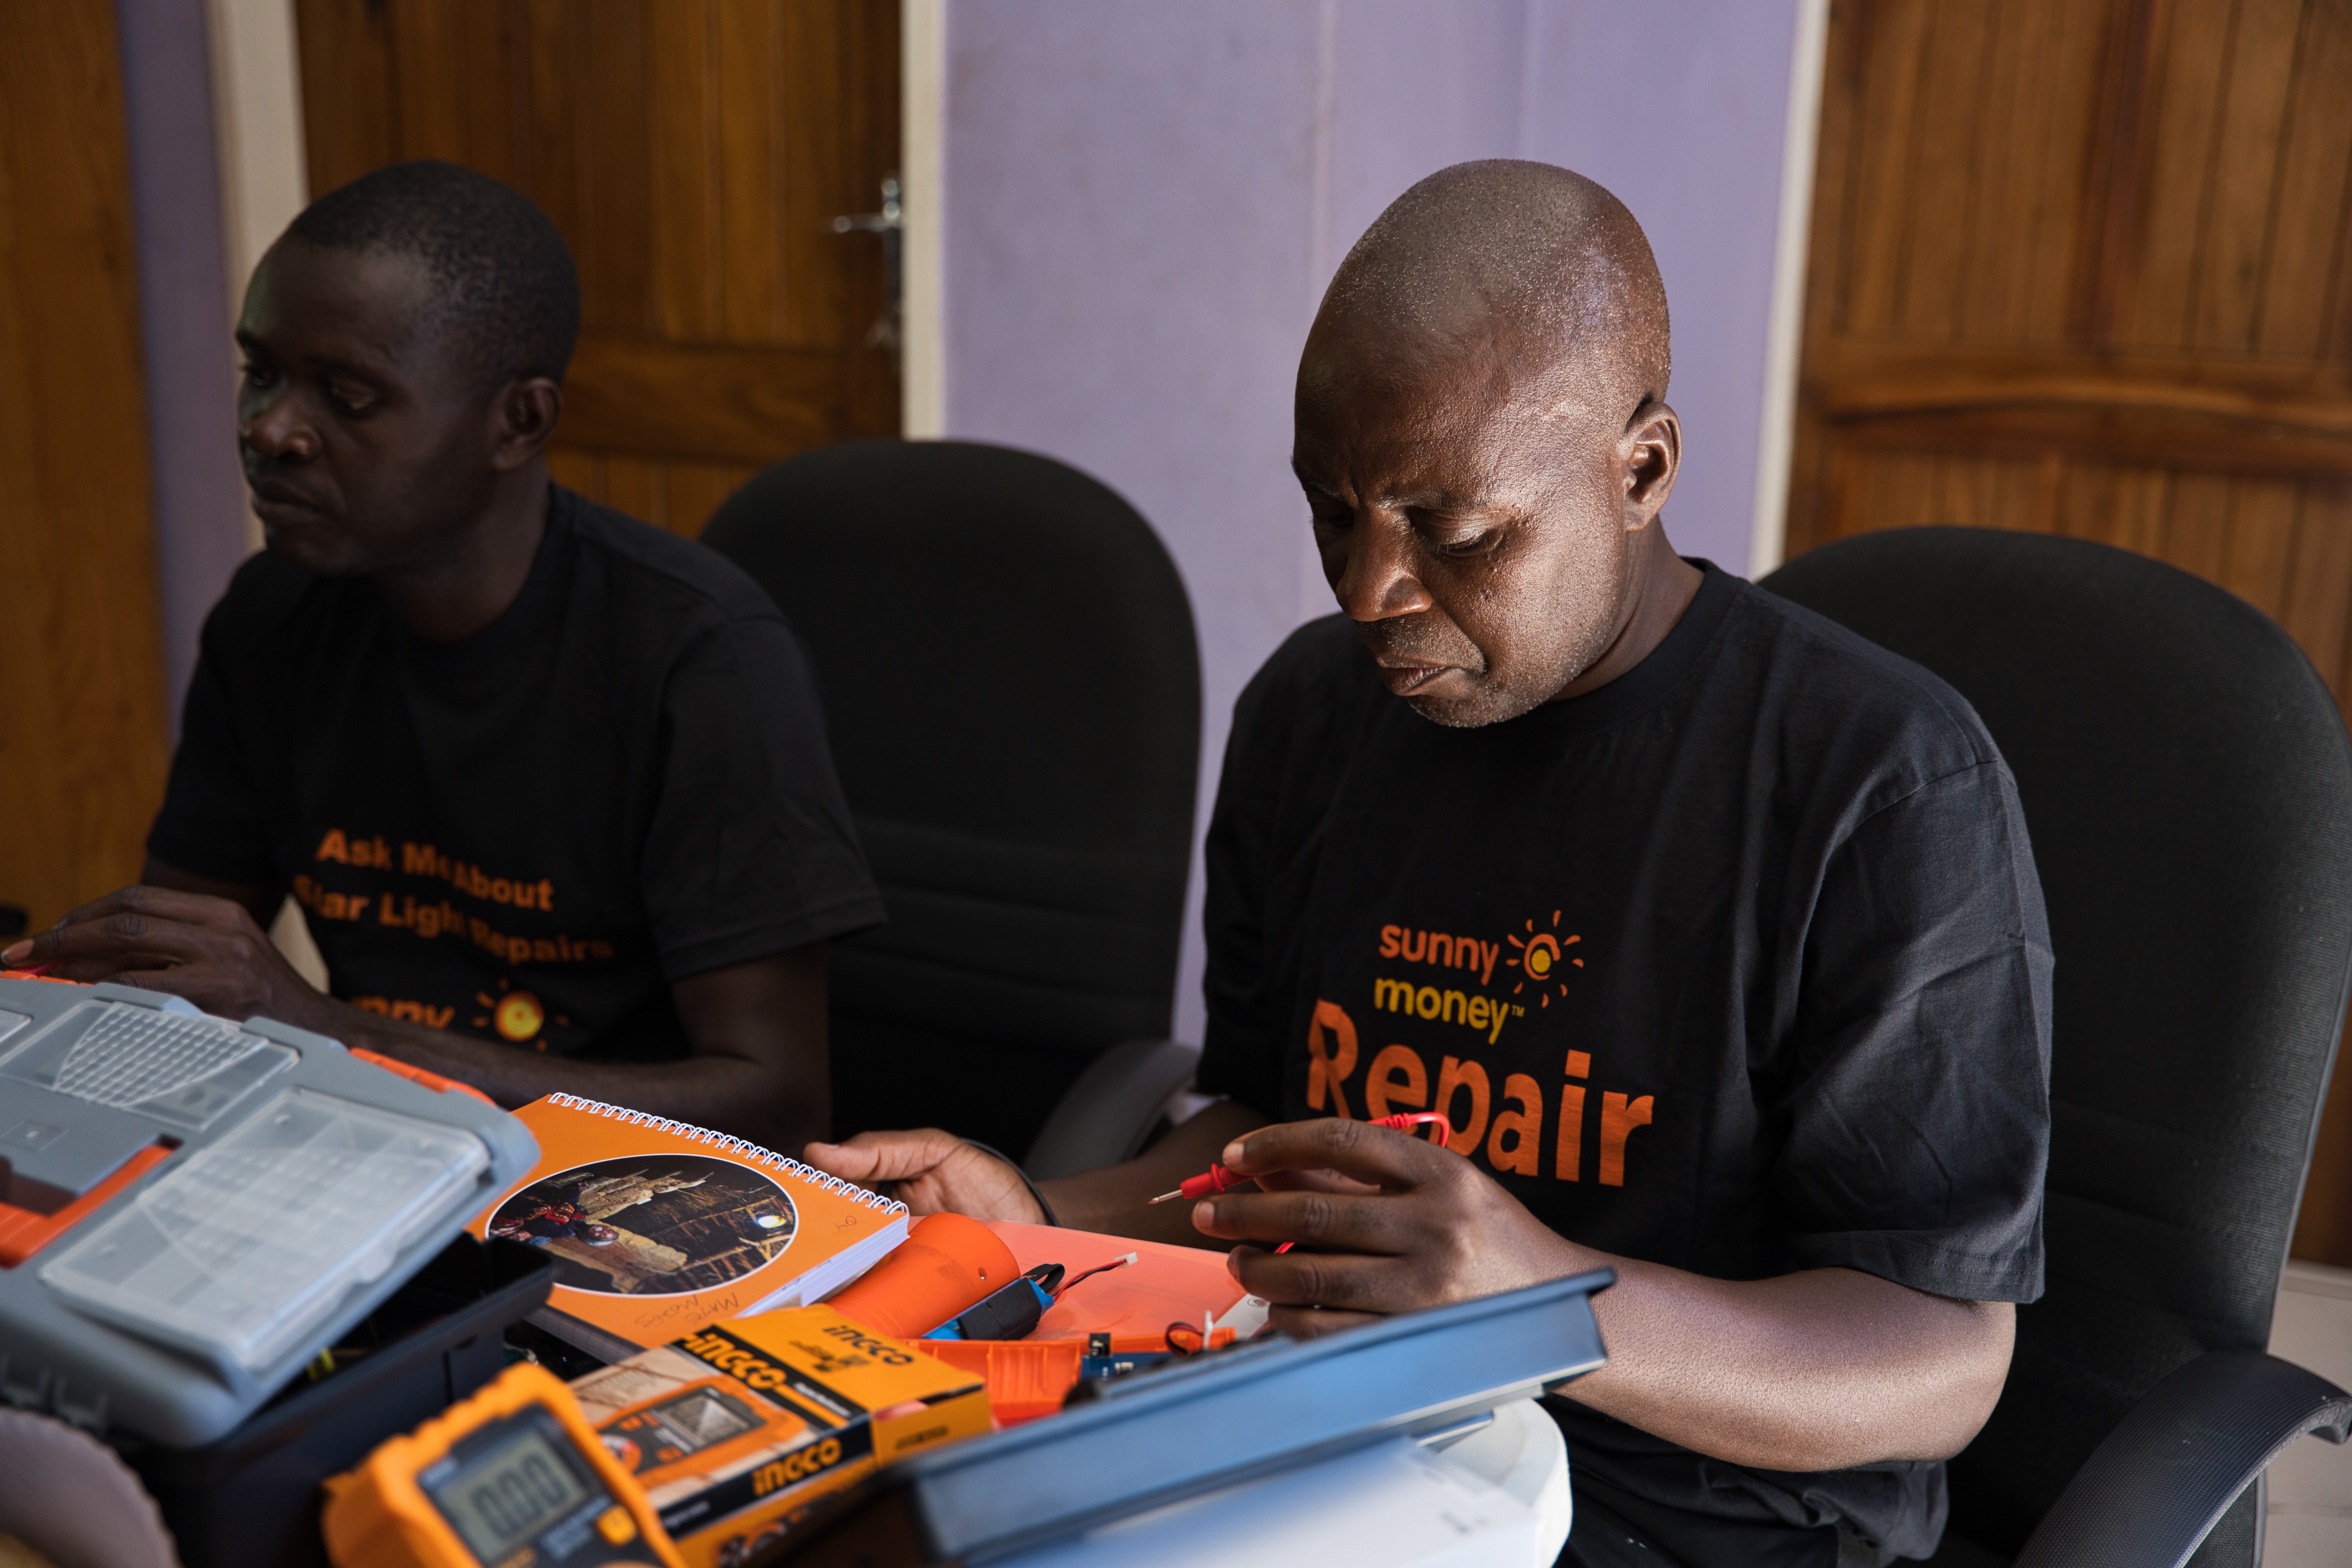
(751, 851)
(212, 821)
(1915, 1092)
(1238, 1057)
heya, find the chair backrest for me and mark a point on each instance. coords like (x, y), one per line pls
(1014, 696)
(2187, 783)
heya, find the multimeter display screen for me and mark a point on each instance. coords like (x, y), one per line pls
(510, 1494)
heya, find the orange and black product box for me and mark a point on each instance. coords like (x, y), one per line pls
(736, 1430)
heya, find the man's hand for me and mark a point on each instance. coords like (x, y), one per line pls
(209, 950)
(756, 1029)
(936, 1172)
(1817, 1370)
(939, 1172)
(1390, 1222)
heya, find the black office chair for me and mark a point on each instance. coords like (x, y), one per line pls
(2187, 783)
(1014, 696)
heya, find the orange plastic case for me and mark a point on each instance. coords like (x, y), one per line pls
(947, 1265)
(1130, 1308)
(378, 1515)
(1026, 1378)
(1133, 1305)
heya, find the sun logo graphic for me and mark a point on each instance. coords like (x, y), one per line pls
(1541, 958)
(517, 1015)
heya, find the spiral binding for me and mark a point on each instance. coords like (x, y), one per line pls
(735, 1148)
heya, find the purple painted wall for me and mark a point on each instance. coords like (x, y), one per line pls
(1144, 202)
(200, 529)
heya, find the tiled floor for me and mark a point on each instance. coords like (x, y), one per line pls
(2310, 1523)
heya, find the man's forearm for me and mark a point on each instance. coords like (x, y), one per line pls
(1814, 1370)
(726, 1093)
(1117, 1199)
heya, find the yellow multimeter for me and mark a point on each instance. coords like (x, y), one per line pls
(512, 1477)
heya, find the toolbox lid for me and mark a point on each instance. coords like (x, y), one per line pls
(244, 1249)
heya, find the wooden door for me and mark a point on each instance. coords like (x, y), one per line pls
(82, 735)
(694, 154)
(2086, 267)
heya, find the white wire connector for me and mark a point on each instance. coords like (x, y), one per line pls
(1099, 1269)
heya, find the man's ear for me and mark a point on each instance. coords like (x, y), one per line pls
(1650, 455)
(525, 413)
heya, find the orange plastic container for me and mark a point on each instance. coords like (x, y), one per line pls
(947, 1263)
(1026, 1378)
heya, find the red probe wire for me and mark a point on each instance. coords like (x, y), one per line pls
(1217, 1179)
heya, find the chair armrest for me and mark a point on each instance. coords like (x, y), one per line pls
(1105, 1117)
(2160, 1480)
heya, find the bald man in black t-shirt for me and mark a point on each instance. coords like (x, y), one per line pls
(551, 785)
(1712, 929)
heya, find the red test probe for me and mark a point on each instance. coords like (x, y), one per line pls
(1217, 1179)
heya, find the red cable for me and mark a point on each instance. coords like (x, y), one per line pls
(1406, 1120)
(1217, 1179)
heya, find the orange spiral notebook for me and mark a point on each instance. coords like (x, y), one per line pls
(659, 1228)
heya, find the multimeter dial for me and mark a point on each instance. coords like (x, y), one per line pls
(518, 1496)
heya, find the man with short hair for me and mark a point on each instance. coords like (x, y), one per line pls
(1712, 929)
(551, 785)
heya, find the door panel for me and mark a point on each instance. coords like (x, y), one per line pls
(694, 154)
(83, 734)
(2084, 266)
(678, 495)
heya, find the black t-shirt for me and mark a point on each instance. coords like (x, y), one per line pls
(527, 833)
(1738, 964)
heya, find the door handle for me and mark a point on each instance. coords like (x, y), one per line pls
(887, 224)
(887, 221)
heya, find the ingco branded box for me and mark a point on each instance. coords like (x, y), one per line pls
(736, 1429)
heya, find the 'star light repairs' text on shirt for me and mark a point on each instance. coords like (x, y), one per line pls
(528, 834)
